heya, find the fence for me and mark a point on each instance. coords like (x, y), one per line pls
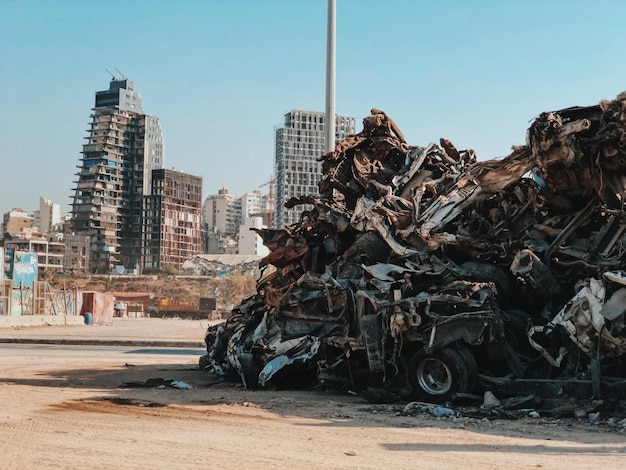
(41, 299)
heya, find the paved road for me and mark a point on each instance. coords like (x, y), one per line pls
(149, 332)
(93, 350)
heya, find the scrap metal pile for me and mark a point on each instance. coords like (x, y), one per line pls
(424, 272)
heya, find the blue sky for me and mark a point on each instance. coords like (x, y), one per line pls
(221, 74)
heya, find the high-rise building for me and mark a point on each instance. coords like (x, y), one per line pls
(299, 144)
(123, 146)
(172, 228)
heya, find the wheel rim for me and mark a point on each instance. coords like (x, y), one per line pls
(434, 376)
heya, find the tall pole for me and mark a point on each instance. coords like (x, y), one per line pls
(330, 77)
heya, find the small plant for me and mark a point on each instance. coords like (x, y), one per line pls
(169, 270)
(241, 285)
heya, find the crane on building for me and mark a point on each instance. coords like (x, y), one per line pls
(270, 216)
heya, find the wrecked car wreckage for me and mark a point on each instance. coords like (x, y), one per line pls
(425, 272)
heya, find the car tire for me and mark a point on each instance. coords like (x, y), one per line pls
(438, 375)
(471, 365)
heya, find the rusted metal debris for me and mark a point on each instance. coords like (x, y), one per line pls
(425, 272)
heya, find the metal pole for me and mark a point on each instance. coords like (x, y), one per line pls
(330, 77)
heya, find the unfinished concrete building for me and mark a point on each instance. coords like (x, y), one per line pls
(76, 257)
(299, 143)
(172, 231)
(123, 147)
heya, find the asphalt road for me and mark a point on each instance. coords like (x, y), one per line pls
(148, 332)
(73, 351)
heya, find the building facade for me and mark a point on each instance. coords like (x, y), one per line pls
(49, 254)
(222, 217)
(123, 146)
(48, 216)
(252, 205)
(16, 221)
(172, 231)
(226, 216)
(299, 143)
(249, 242)
(222, 213)
(76, 258)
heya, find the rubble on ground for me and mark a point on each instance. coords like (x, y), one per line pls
(429, 275)
(220, 264)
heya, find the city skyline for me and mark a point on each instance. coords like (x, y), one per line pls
(221, 76)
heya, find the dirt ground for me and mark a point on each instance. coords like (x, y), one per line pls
(64, 407)
(223, 288)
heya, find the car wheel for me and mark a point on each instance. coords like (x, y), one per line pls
(438, 375)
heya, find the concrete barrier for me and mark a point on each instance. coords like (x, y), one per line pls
(11, 321)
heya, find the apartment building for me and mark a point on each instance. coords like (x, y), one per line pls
(123, 146)
(228, 220)
(222, 213)
(253, 204)
(49, 254)
(48, 216)
(299, 143)
(172, 231)
(249, 242)
(16, 221)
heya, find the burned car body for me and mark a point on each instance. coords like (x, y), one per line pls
(429, 273)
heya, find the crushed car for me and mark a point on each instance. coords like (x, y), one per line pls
(432, 275)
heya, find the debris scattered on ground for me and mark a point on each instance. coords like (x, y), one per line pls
(158, 383)
(221, 265)
(433, 276)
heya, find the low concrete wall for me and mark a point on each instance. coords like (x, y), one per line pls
(9, 321)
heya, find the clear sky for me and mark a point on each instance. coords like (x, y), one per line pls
(221, 74)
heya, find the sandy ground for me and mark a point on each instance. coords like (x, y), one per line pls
(68, 407)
